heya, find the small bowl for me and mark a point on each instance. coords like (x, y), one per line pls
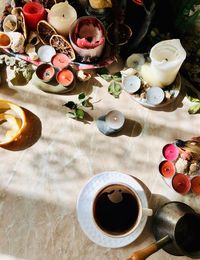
(45, 72)
(5, 40)
(65, 77)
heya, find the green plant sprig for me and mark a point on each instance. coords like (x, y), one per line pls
(77, 109)
(115, 80)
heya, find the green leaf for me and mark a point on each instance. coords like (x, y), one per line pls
(87, 103)
(81, 96)
(118, 74)
(192, 96)
(70, 105)
(101, 71)
(115, 89)
(194, 108)
(79, 113)
(106, 77)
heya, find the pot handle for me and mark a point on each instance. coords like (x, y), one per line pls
(149, 250)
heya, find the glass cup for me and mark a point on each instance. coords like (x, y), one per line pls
(87, 37)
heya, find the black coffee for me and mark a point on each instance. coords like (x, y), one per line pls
(116, 209)
(187, 233)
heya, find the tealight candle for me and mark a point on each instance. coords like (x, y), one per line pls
(181, 183)
(155, 95)
(45, 72)
(33, 13)
(115, 119)
(60, 61)
(65, 77)
(170, 152)
(131, 84)
(195, 185)
(167, 169)
(46, 52)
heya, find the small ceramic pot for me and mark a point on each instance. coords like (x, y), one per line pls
(45, 72)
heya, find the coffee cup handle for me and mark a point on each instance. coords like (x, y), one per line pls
(147, 212)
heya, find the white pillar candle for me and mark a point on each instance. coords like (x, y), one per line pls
(61, 16)
(115, 119)
(166, 60)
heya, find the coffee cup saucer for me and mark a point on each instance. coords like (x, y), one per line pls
(85, 208)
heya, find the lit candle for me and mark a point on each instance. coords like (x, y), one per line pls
(155, 95)
(170, 152)
(166, 60)
(65, 77)
(167, 169)
(46, 52)
(181, 183)
(33, 13)
(61, 16)
(45, 72)
(131, 84)
(60, 61)
(195, 185)
(115, 120)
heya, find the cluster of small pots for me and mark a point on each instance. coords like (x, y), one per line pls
(180, 182)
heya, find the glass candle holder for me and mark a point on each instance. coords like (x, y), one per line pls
(87, 37)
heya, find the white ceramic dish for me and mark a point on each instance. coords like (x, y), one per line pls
(85, 211)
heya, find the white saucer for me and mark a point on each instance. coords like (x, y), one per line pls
(85, 211)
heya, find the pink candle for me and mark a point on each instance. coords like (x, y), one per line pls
(60, 61)
(170, 152)
(65, 77)
(167, 169)
(181, 183)
(33, 13)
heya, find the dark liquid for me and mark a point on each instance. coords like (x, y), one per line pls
(187, 233)
(116, 210)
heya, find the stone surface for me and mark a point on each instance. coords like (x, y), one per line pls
(40, 184)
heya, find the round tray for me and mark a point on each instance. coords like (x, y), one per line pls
(173, 90)
(168, 180)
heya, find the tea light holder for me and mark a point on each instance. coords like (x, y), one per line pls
(167, 169)
(60, 61)
(46, 52)
(131, 84)
(5, 40)
(195, 185)
(170, 152)
(181, 183)
(45, 72)
(65, 77)
(111, 122)
(155, 95)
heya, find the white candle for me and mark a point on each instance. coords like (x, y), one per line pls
(131, 84)
(61, 16)
(155, 95)
(115, 119)
(166, 60)
(46, 52)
